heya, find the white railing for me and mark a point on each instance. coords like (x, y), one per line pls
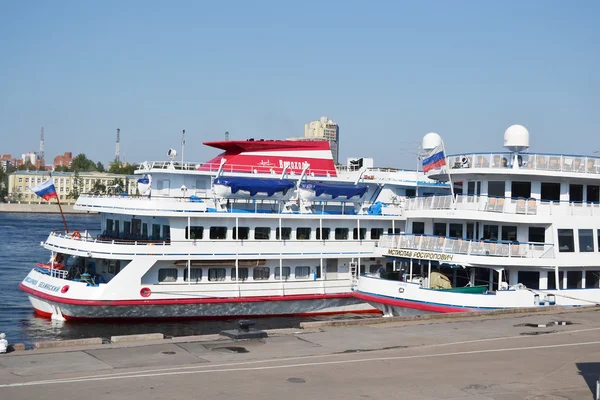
(538, 162)
(505, 205)
(466, 247)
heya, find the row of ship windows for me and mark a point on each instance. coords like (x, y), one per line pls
(566, 240)
(302, 233)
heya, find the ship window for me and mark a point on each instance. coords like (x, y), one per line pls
(586, 240)
(439, 229)
(218, 232)
(565, 240)
(418, 228)
(593, 194)
(286, 273)
(374, 268)
(411, 192)
(260, 273)
(490, 232)
(537, 234)
(550, 191)
(109, 225)
(470, 230)
(117, 227)
(196, 232)
(166, 232)
(359, 234)
(575, 194)
(395, 231)
(456, 230)
(363, 269)
(323, 233)
(167, 275)
(376, 233)
(195, 275)
(216, 274)
(341, 233)
(598, 237)
(127, 226)
(303, 234)
(262, 233)
(509, 233)
(286, 234)
(145, 231)
(574, 280)
(592, 279)
(302, 272)
(496, 188)
(241, 233)
(520, 189)
(552, 280)
(531, 279)
(155, 231)
(243, 274)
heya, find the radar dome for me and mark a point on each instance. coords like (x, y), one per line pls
(431, 141)
(516, 138)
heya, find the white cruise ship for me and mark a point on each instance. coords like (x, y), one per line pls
(522, 230)
(265, 228)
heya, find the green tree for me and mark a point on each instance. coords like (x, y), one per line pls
(77, 186)
(116, 186)
(118, 168)
(82, 163)
(61, 168)
(98, 187)
(100, 167)
(28, 166)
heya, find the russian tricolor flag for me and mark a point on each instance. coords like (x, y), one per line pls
(46, 190)
(434, 159)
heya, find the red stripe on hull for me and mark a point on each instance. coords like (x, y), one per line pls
(77, 302)
(410, 304)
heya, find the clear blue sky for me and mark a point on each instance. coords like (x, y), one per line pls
(387, 72)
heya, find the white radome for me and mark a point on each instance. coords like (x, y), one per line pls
(431, 141)
(516, 138)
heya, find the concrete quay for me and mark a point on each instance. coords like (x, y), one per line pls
(41, 208)
(554, 354)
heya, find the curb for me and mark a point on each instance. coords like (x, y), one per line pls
(135, 338)
(67, 343)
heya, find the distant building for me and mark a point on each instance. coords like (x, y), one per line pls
(6, 161)
(324, 129)
(64, 160)
(30, 157)
(20, 181)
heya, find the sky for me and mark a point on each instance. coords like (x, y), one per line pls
(387, 72)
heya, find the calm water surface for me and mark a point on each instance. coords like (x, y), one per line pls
(20, 237)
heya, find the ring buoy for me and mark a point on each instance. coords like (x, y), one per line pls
(76, 235)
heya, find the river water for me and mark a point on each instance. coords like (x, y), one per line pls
(20, 237)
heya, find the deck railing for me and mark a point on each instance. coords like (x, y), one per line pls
(505, 205)
(538, 162)
(467, 247)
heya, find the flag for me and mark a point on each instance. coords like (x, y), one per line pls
(45, 190)
(434, 159)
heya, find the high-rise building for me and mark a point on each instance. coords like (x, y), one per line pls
(325, 129)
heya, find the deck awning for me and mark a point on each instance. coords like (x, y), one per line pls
(334, 190)
(255, 185)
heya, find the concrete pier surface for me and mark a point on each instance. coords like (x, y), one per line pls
(506, 356)
(40, 208)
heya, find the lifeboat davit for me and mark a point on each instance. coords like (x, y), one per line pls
(315, 191)
(242, 187)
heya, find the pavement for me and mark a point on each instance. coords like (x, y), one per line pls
(506, 356)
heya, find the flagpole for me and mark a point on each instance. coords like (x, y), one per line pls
(60, 208)
(448, 172)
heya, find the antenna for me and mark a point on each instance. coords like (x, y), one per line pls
(226, 136)
(182, 146)
(42, 146)
(118, 148)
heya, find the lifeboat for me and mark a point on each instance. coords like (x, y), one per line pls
(242, 187)
(315, 191)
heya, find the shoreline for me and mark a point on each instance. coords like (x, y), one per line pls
(40, 208)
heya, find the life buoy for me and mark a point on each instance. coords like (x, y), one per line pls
(76, 235)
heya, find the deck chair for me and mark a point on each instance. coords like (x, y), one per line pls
(531, 207)
(500, 205)
(491, 205)
(520, 206)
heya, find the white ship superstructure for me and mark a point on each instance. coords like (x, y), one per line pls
(522, 230)
(265, 228)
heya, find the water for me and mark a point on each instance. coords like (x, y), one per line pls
(20, 237)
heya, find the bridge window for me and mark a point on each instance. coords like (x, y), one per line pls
(260, 273)
(262, 233)
(566, 243)
(323, 233)
(509, 233)
(302, 272)
(195, 275)
(576, 193)
(167, 275)
(216, 274)
(376, 233)
(439, 229)
(359, 234)
(218, 232)
(341, 233)
(241, 233)
(520, 189)
(586, 240)
(550, 191)
(303, 234)
(593, 194)
(196, 233)
(286, 273)
(243, 274)
(286, 234)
